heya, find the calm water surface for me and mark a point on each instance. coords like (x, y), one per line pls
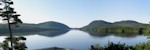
(76, 39)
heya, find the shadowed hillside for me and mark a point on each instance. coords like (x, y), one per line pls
(34, 27)
(127, 26)
(53, 24)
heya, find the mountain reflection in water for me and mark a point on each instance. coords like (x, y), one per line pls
(74, 39)
(48, 33)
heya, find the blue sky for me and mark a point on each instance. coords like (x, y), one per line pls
(78, 13)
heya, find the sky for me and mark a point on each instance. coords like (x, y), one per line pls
(78, 13)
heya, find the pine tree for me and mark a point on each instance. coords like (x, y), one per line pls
(8, 14)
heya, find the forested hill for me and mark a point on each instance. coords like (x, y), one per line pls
(34, 27)
(53, 24)
(127, 26)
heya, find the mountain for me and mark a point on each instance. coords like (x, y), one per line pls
(53, 24)
(125, 23)
(127, 26)
(33, 27)
(129, 23)
(97, 23)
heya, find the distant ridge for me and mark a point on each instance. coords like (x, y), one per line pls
(128, 26)
(127, 22)
(118, 23)
(99, 22)
(54, 24)
(25, 27)
(96, 23)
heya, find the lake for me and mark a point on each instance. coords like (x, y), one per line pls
(75, 39)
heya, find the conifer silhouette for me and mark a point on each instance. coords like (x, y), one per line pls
(8, 14)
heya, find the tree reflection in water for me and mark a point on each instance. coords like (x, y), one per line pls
(18, 43)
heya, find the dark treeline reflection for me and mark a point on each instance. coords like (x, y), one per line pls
(17, 40)
(54, 33)
(72, 33)
(48, 33)
(103, 34)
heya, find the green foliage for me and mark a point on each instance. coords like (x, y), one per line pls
(119, 46)
(142, 46)
(8, 14)
(121, 27)
(117, 29)
(18, 43)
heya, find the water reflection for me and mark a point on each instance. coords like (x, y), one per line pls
(53, 33)
(48, 33)
(75, 39)
(19, 44)
(97, 34)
